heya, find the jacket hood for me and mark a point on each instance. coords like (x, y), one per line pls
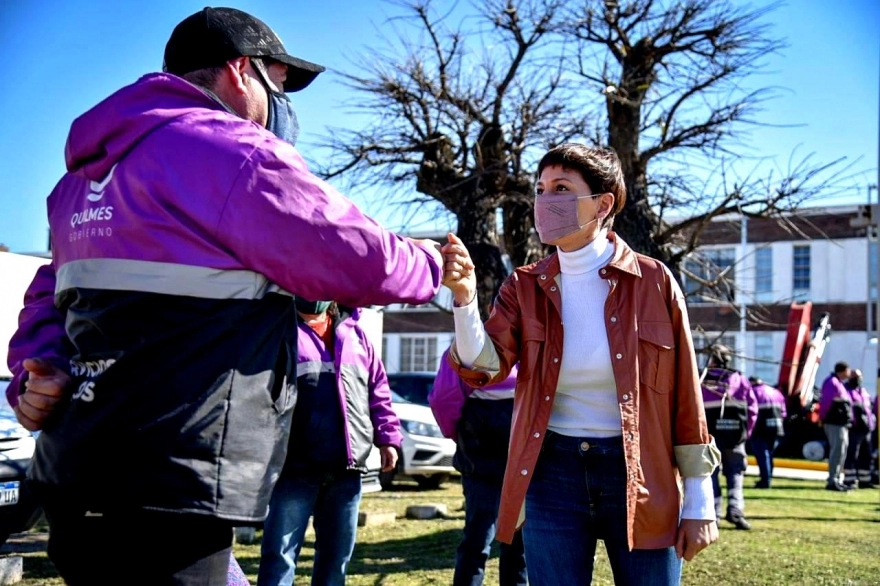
(102, 136)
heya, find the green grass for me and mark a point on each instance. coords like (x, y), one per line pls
(802, 535)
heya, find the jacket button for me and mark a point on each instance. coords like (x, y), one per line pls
(555, 360)
(625, 397)
(619, 356)
(523, 471)
(585, 446)
(629, 436)
(546, 397)
(603, 271)
(553, 288)
(537, 434)
(614, 320)
(543, 277)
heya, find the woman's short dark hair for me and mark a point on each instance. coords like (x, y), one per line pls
(599, 167)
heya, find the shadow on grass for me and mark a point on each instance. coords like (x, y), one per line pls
(832, 500)
(435, 551)
(819, 519)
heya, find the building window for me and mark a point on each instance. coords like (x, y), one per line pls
(709, 275)
(801, 273)
(418, 354)
(764, 274)
(766, 366)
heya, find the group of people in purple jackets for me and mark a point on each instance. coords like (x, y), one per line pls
(740, 410)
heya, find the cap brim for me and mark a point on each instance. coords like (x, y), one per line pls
(300, 73)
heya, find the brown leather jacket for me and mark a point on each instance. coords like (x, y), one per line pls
(661, 406)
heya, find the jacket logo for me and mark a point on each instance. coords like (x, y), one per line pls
(96, 188)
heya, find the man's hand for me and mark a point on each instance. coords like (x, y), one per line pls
(44, 389)
(389, 458)
(694, 535)
(458, 271)
(431, 246)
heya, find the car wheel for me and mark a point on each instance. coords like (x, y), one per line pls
(432, 482)
(386, 479)
(814, 451)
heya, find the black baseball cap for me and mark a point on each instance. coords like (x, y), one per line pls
(213, 36)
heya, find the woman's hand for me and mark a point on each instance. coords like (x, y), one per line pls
(694, 535)
(458, 271)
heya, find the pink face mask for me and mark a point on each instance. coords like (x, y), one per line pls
(556, 216)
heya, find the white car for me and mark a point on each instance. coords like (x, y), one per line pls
(18, 510)
(426, 455)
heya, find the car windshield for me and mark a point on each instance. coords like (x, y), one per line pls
(395, 398)
(415, 388)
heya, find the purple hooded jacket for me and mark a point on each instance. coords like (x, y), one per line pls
(449, 393)
(771, 412)
(181, 233)
(731, 406)
(343, 403)
(835, 403)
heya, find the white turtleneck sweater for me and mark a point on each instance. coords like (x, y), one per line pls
(586, 403)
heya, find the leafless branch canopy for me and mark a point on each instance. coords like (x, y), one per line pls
(460, 104)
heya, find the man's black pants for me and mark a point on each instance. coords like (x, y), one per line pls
(138, 547)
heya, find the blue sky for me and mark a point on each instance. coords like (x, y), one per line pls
(64, 56)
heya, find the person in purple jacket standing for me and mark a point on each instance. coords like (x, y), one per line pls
(731, 413)
(479, 422)
(857, 465)
(156, 352)
(343, 408)
(835, 412)
(769, 428)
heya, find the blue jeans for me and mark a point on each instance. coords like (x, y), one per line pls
(482, 497)
(333, 499)
(763, 451)
(576, 497)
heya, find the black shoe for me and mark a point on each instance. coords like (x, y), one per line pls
(739, 520)
(762, 484)
(836, 487)
(863, 484)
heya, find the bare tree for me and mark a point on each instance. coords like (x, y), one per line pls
(460, 112)
(676, 78)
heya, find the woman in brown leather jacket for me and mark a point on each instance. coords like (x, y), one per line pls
(608, 417)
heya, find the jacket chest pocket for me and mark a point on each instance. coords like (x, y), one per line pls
(533, 338)
(657, 355)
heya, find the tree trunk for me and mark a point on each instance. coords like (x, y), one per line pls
(478, 230)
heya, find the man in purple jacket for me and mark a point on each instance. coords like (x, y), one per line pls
(731, 413)
(769, 428)
(157, 352)
(857, 465)
(835, 411)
